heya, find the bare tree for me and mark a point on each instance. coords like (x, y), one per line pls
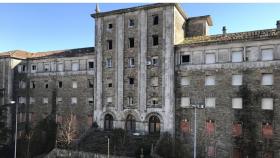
(66, 130)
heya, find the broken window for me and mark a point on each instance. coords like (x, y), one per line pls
(237, 103)
(73, 100)
(110, 85)
(74, 84)
(154, 101)
(46, 84)
(21, 84)
(267, 130)
(19, 68)
(130, 101)
(267, 54)
(185, 59)
(210, 58)
(59, 84)
(210, 102)
(210, 80)
(90, 100)
(45, 100)
(155, 60)
(267, 103)
(210, 127)
(21, 100)
(90, 83)
(185, 102)
(32, 84)
(236, 129)
(46, 67)
(185, 126)
(90, 64)
(109, 44)
(131, 62)
(267, 79)
(23, 68)
(58, 100)
(33, 68)
(109, 63)
(131, 42)
(110, 26)
(185, 81)
(131, 81)
(155, 19)
(155, 40)
(236, 57)
(131, 22)
(236, 80)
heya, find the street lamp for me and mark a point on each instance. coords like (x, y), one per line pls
(15, 153)
(108, 138)
(195, 106)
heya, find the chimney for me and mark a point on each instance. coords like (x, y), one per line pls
(278, 24)
(224, 30)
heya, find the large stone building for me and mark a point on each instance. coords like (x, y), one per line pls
(151, 65)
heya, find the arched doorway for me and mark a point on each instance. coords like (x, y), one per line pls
(108, 122)
(154, 125)
(130, 124)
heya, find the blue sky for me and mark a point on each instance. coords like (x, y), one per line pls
(44, 27)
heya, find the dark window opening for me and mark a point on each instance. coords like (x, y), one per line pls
(131, 42)
(130, 124)
(46, 85)
(60, 84)
(91, 64)
(110, 44)
(155, 40)
(32, 84)
(23, 68)
(155, 19)
(110, 85)
(131, 81)
(90, 83)
(108, 122)
(131, 22)
(185, 59)
(155, 102)
(110, 26)
(34, 67)
(154, 125)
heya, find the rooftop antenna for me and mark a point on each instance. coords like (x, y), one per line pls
(97, 10)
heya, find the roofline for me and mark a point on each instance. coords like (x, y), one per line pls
(132, 9)
(207, 17)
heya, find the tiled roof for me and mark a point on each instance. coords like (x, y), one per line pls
(24, 55)
(232, 37)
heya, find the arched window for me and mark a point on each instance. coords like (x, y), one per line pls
(108, 122)
(130, 124)
(154, 125)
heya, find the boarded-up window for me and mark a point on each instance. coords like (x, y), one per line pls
(268, 154)
(154, 81)
(210, 80)
(267, 130)
(236, 129)
(211, 151)
(236, 57)
(236, 153)
(185, 102)
(267, 54)
(210, 102)
(45, 100)
(210, 127)
(75, 84)
(267, 79)
(236, 80)
(237, 103)
(210, 58)
(73, 100)
(267, 104)
(185, 126)
(185, 81)
(109, 100)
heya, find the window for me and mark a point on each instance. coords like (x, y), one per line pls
(130, 101)
(210, 102)
(90, 83)
(154, 81)
(267, 103)
(74, 84)
(74, 100)
(131, 81)
(110, 84)
(21, 84)
(21, 100)
(155, 19)
(32, 84)
(236, 80)
(185, 102)
(185, 127)
(237, 103)
(109, 44)
(46, 84)
(236, 153)
(75, 66)
(268, 154)
(210, 58)
(210, 80)
(237, 129)
(59, 84)
(185, 59)
(131, 62)
(130, 123)
(155, 40)
(185, 81)
(46, 67)
(109, 100)
(154, 101)
(131, 42)
(91, 65)
(236, 57)
(90, 100)
(211, 151)
(108, 122)
(60, 67)
(109, 63)
(267, 79)
(33, 68)
(210, 127)
(19, 68)
(267, 54)
(31, 100)
(45, 100)
(110, 26)
(267, 130)
(155, 60)
(58, 100)
(154, 125)
(131, 22)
